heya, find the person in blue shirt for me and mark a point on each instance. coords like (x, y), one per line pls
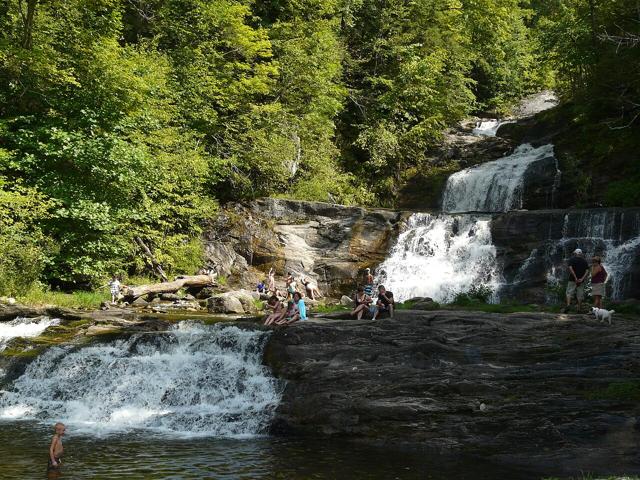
(302, 309)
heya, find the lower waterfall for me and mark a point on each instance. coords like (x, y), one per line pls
(193, 380)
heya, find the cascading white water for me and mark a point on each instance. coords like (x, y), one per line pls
(495, 186)
(439, 256)
(24, 327)
(489, 128)
(194, 380)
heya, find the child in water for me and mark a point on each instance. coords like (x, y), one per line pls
(56, 449)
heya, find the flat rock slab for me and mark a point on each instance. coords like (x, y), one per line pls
(555, 392)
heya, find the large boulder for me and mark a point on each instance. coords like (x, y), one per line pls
(238, 301)
(224, 303)
(550, 391)
(346, 301)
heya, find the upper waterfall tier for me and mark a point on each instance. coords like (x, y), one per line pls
(500, 185)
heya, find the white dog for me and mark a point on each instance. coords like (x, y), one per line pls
(602, 314)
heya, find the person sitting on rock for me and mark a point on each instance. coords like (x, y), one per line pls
(312, 289)
(292, 315)
(261, 287)
(362, 303)
(278, 311)
(385, 302)
(302, 308)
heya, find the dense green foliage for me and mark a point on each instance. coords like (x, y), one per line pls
(125, 122)
(594, 48)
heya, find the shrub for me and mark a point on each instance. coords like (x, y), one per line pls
(476, 294)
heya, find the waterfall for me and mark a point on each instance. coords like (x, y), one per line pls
(193, 380)
(24, 327)
(612, 234)
(438, 256)
(495, 186)
(489, 128)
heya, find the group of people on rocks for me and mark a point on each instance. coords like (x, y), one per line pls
(579, 273)
(288, 307)
(364, 303)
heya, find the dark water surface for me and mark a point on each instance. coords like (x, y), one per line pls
(24, 450)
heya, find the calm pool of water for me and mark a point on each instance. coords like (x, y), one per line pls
(140, 455)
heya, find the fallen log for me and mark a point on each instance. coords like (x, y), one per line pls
(131, 293)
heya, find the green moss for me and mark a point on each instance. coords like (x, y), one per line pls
(20, 353)
(424, 185)
(618, 391)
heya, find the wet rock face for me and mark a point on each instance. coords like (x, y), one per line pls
(555, 392)
(530, 244)
(329, 243)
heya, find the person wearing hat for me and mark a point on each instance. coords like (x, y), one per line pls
(368, 282)
(578, 270)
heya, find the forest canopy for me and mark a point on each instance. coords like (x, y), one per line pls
(126, 122)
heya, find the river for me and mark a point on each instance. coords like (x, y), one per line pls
(142, 455)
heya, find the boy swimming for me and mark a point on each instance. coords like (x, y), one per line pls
(56, 449)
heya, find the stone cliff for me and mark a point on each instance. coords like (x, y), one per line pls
(556, 392)
(330, 243)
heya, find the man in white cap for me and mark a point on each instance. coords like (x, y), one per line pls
(578, 271)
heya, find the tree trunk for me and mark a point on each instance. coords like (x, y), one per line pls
(131, 293)
(155, 266)
(27, 22)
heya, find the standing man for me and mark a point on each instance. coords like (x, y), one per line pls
(578, 270)
(367, 281)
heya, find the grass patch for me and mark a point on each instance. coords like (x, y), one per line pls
(493, 307)
(330, 308)
(38, 296)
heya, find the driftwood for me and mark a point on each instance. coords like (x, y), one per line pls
(131, 293)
